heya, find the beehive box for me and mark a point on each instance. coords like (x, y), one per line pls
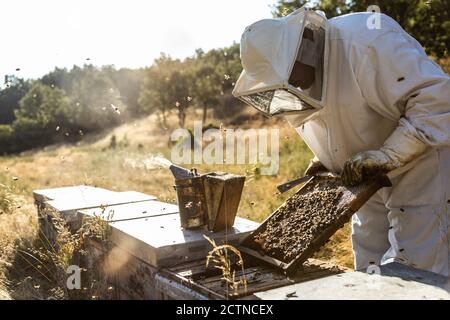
(144, 235)
(68, 201)
(160, 241)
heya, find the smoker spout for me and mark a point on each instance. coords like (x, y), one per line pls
(181, 173)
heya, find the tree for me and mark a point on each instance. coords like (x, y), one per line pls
(332, 8)
(42, 110)
(96, 101)
(128, 82)
(178, 93)
(215, 74)
(431, 26)
(60, 78)
(6, 138)
(95, 98)
(153, 95)
(427, 21)
(206, 86)
(15, 89)
(166, 86)
(283, 7)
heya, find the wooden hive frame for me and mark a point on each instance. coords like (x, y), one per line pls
(356, 198)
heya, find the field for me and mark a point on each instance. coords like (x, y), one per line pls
(103, 160)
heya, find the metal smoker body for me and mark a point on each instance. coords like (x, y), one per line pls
(210, 199)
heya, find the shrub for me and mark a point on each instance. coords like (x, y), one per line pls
(6, 138)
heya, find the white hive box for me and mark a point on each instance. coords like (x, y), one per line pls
(130, 211)
(161, 241)
(69, 200)
(74, 191)
(146, 234)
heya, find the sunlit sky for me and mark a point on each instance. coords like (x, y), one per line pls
(38, 35)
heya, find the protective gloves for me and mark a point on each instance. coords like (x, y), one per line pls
(402, 147)
(314, 167)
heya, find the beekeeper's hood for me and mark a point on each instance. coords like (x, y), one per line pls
(283, 61)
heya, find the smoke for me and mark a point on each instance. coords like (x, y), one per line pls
(152, 162)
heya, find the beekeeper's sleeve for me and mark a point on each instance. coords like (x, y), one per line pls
(400, 82)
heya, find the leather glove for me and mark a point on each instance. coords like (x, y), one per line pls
(314, 167)
(401, 147)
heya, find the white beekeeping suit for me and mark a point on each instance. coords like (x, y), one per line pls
(384, 106)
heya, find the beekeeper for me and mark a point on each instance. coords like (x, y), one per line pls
(366, 101)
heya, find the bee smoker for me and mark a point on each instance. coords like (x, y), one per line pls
(211, 199)
(190, 197)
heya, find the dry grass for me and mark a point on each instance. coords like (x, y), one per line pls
(17, 228)
(445, 64)
(37, 266)
(222, 256)
(52, 260)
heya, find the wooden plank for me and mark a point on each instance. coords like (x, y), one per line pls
(68, 200)
(247, 272)
(168, 289)
(43, 195)
(261, 279)
(177, 280)
(69, 206)
(197, 269)
(133, 276)
(130, 211)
